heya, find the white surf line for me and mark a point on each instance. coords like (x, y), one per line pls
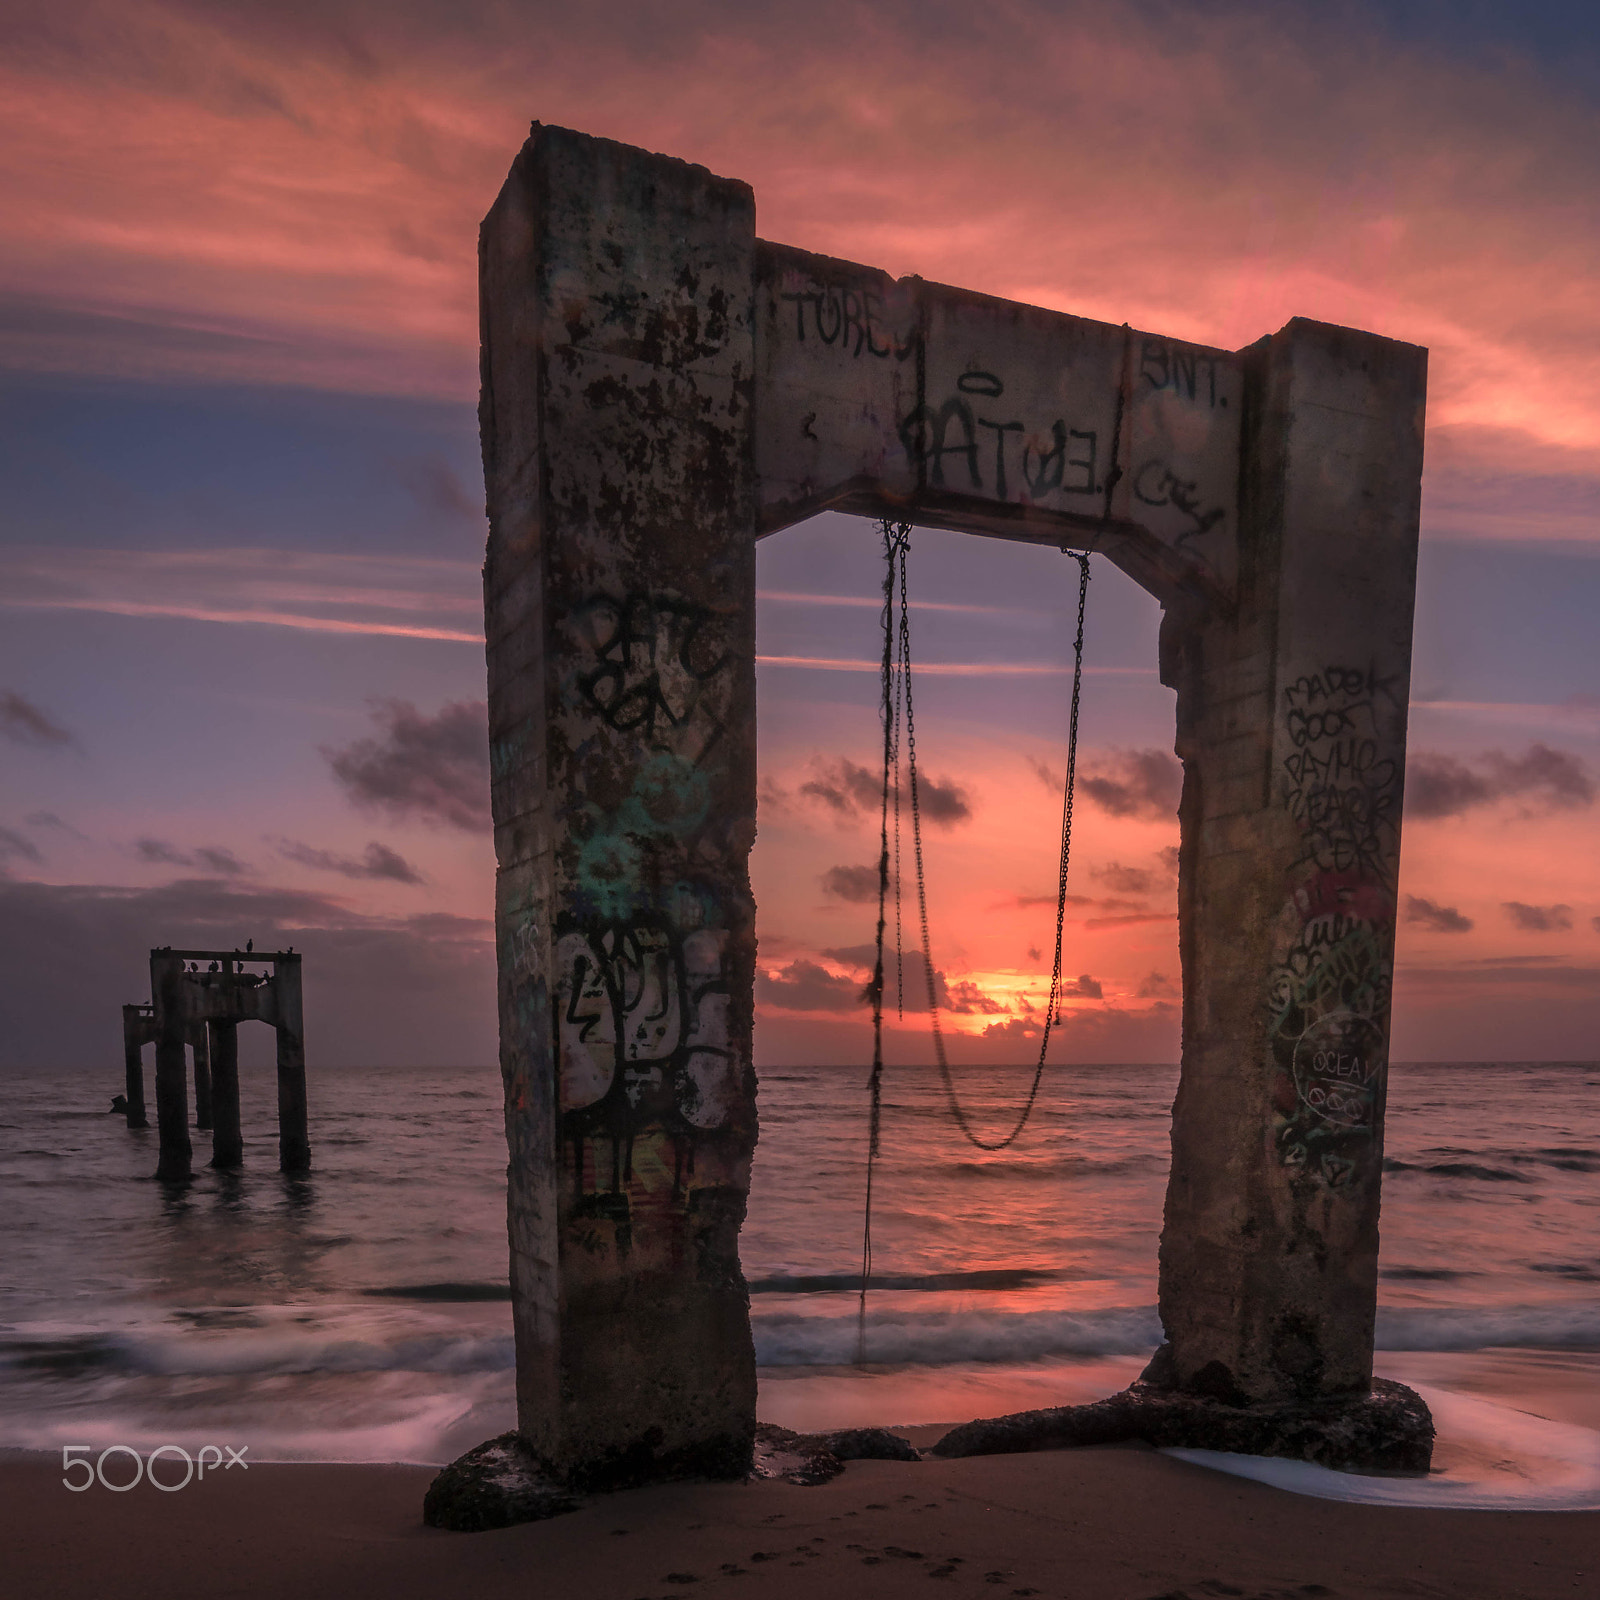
(1496, 1459)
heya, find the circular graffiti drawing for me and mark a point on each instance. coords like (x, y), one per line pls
(1338, 1065)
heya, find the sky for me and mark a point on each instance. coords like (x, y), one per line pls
(241, 509)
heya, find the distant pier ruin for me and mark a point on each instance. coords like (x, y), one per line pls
(198, 999)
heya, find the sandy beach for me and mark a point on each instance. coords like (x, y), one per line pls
(1120, 1523)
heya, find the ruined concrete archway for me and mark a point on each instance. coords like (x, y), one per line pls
(660, 388)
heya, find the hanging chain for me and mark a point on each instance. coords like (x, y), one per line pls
(895, 543)
(1052, 1012)
(897, 702)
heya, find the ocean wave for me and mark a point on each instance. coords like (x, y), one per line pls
(1568, 1326)
(783, 1338)
(1460, 1169)
(280, 1354)
(936, 1338)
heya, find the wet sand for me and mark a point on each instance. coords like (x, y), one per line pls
(1122, 1523)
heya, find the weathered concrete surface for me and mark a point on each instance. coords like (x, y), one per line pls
(496, 1485)
(227, 1139)
(812, 1458)
(172, 1076)
(294, 1141)
(620, 605)
(199, 1051)
(1292, 731)
(956, 409)
(660, 389)
(138, 1030)
(1389, 1429)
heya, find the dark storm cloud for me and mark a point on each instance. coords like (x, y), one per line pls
(852, 791)
(159, 852)
(377, 861)
(1539, 919)
(22, 722)
(48, 819)
(1435, 918)
(1145, 784)
(1156, 986)
(969, 1000)
(438, 491)
(1443, 786)
(805, 986)
(1124, 880)
(409, 991)
(962, 998)
(213, 859)
(433, 768)
(859, 885)
(19, 845)
(224, 863)
(1082, 988)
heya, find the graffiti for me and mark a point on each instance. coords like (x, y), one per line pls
(1156, 484)
(1344, 796)
(1330, 1007)
(926, 432)
(642, 1041)
(1177, 369)
(839, 315)
(654, 657)
(1330, 994)
(646, 1066)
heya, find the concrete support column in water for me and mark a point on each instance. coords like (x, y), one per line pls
(202, 1075)
(172, 1076)
(133, 1066)
(294, 1144)
(227, 1142)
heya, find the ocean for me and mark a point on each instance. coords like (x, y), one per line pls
(360, 1313)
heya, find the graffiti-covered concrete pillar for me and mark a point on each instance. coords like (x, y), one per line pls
(620, 604)
(199, 1049)
(1292, 729)
(172, 1076)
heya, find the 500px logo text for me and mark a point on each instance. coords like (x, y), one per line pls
(75, 1460)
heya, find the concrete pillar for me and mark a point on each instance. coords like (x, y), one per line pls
(294, 1145)
(202, 1075)
(1292, 727)
(620, 598)
(227, 1146)
(172, 1077)
(133, 1067)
